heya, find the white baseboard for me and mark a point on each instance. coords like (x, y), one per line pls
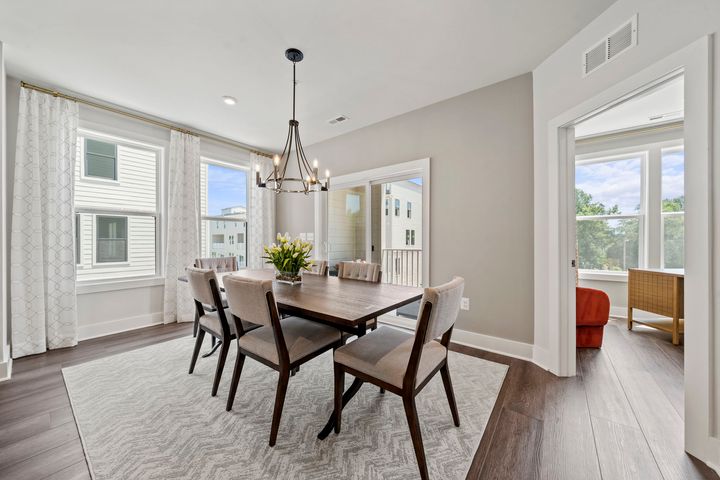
(86, 332)
(5, 370)
(503, 346)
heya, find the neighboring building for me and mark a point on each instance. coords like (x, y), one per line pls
(227, 238)
(401, 233)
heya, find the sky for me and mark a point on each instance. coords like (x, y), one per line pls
(227, 187)
(618, 182)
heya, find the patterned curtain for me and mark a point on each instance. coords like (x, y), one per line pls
(42, 241)
(261, 221)
(182, 225)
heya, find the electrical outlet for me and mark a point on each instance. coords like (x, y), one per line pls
(465, 303)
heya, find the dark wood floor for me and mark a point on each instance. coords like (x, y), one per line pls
(621, 417)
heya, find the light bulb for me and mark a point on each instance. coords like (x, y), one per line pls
(327, 173)
(276, 160)
(257, 167)
(315, 163)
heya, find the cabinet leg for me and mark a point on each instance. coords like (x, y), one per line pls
(676, 331)
(629, 319)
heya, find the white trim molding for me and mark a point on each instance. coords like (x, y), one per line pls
(503, 346)
(94, 330)
(6, 370)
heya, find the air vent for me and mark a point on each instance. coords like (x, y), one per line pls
(338, 119)
(619, 41)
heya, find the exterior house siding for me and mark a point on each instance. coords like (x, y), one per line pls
(135, 190)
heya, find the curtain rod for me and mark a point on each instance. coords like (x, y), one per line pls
(142, 118)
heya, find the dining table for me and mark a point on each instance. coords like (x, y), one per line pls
(345, 304)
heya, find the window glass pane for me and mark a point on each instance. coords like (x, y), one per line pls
(673, 241)
(111, 239)
(223, 191)
(226, 239)
(100, 148)
(346, 226)
(673, 180)
(611, 245)
(608, 188)
(99, 166)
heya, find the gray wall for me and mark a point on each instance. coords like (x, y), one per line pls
(481, 211)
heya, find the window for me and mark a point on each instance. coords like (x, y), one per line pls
(116, 222)
(407, 237)
(387, 188)
(223, 210)
(409, 209)
(100, 159)
(412, 237)
(610, 212)
(387, 207)
(673, 207)
(397, 207)
(111, 239)
(631, 209)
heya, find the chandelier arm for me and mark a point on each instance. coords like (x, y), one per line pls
(298, 159)
(302, 152)
(272, 172)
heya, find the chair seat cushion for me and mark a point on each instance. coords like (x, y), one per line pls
(384, 354)
(302, 337)
(211, 321)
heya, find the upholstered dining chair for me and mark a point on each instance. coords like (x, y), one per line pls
(320, 267)
(403, 363)
(364, 272)
(205, 291)
(282, 345)
(218, 265)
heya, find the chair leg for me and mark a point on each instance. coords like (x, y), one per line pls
(224, 348)
(339, 390)
(196, 350)
(445, 373)
(416, 434)
(279, 402)
(196, 324)
(239, 362)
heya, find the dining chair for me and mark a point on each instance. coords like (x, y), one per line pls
(218, 265)
(364, 272)
(205, 291)
(320, 267)
(282, 345)
(403, 363)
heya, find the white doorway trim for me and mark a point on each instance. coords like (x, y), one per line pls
(415, 168)
(701, 339)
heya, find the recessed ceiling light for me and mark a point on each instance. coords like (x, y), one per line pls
(229, 100)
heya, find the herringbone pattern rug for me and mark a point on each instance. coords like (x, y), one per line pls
(141, 416)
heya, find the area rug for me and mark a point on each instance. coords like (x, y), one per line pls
(141, 416)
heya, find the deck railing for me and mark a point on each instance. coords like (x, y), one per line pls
(402, 266)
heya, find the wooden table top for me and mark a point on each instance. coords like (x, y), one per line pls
(341, 301)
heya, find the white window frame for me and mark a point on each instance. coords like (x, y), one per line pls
(240, 165)
(95, 262)
(650, 228)
(83, 163)
(117, 283)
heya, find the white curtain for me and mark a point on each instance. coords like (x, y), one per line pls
(42, 241)
(182, 226)
(261, 222)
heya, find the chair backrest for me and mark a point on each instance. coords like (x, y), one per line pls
(218, 264)
(199, 280)
(445, 300)
(367, 272)
(320, 267)
(247, 299)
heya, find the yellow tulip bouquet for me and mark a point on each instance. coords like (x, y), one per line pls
(290, 257)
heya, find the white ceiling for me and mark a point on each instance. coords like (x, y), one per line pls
(662, 104)
(367, 59)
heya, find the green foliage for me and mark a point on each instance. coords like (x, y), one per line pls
(676, 204)
(288, 255)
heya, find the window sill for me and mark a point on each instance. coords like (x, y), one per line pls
(603, 276)
(84, 288)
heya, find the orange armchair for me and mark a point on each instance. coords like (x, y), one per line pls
(592, 312)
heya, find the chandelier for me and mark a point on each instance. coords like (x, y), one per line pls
(306, 180)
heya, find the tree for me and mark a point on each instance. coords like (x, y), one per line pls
(594, 236)
(674, 233)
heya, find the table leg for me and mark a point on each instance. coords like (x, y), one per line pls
(676, 331)
(347, 396)
(629, 319)
(349, 393)
(216, 345)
